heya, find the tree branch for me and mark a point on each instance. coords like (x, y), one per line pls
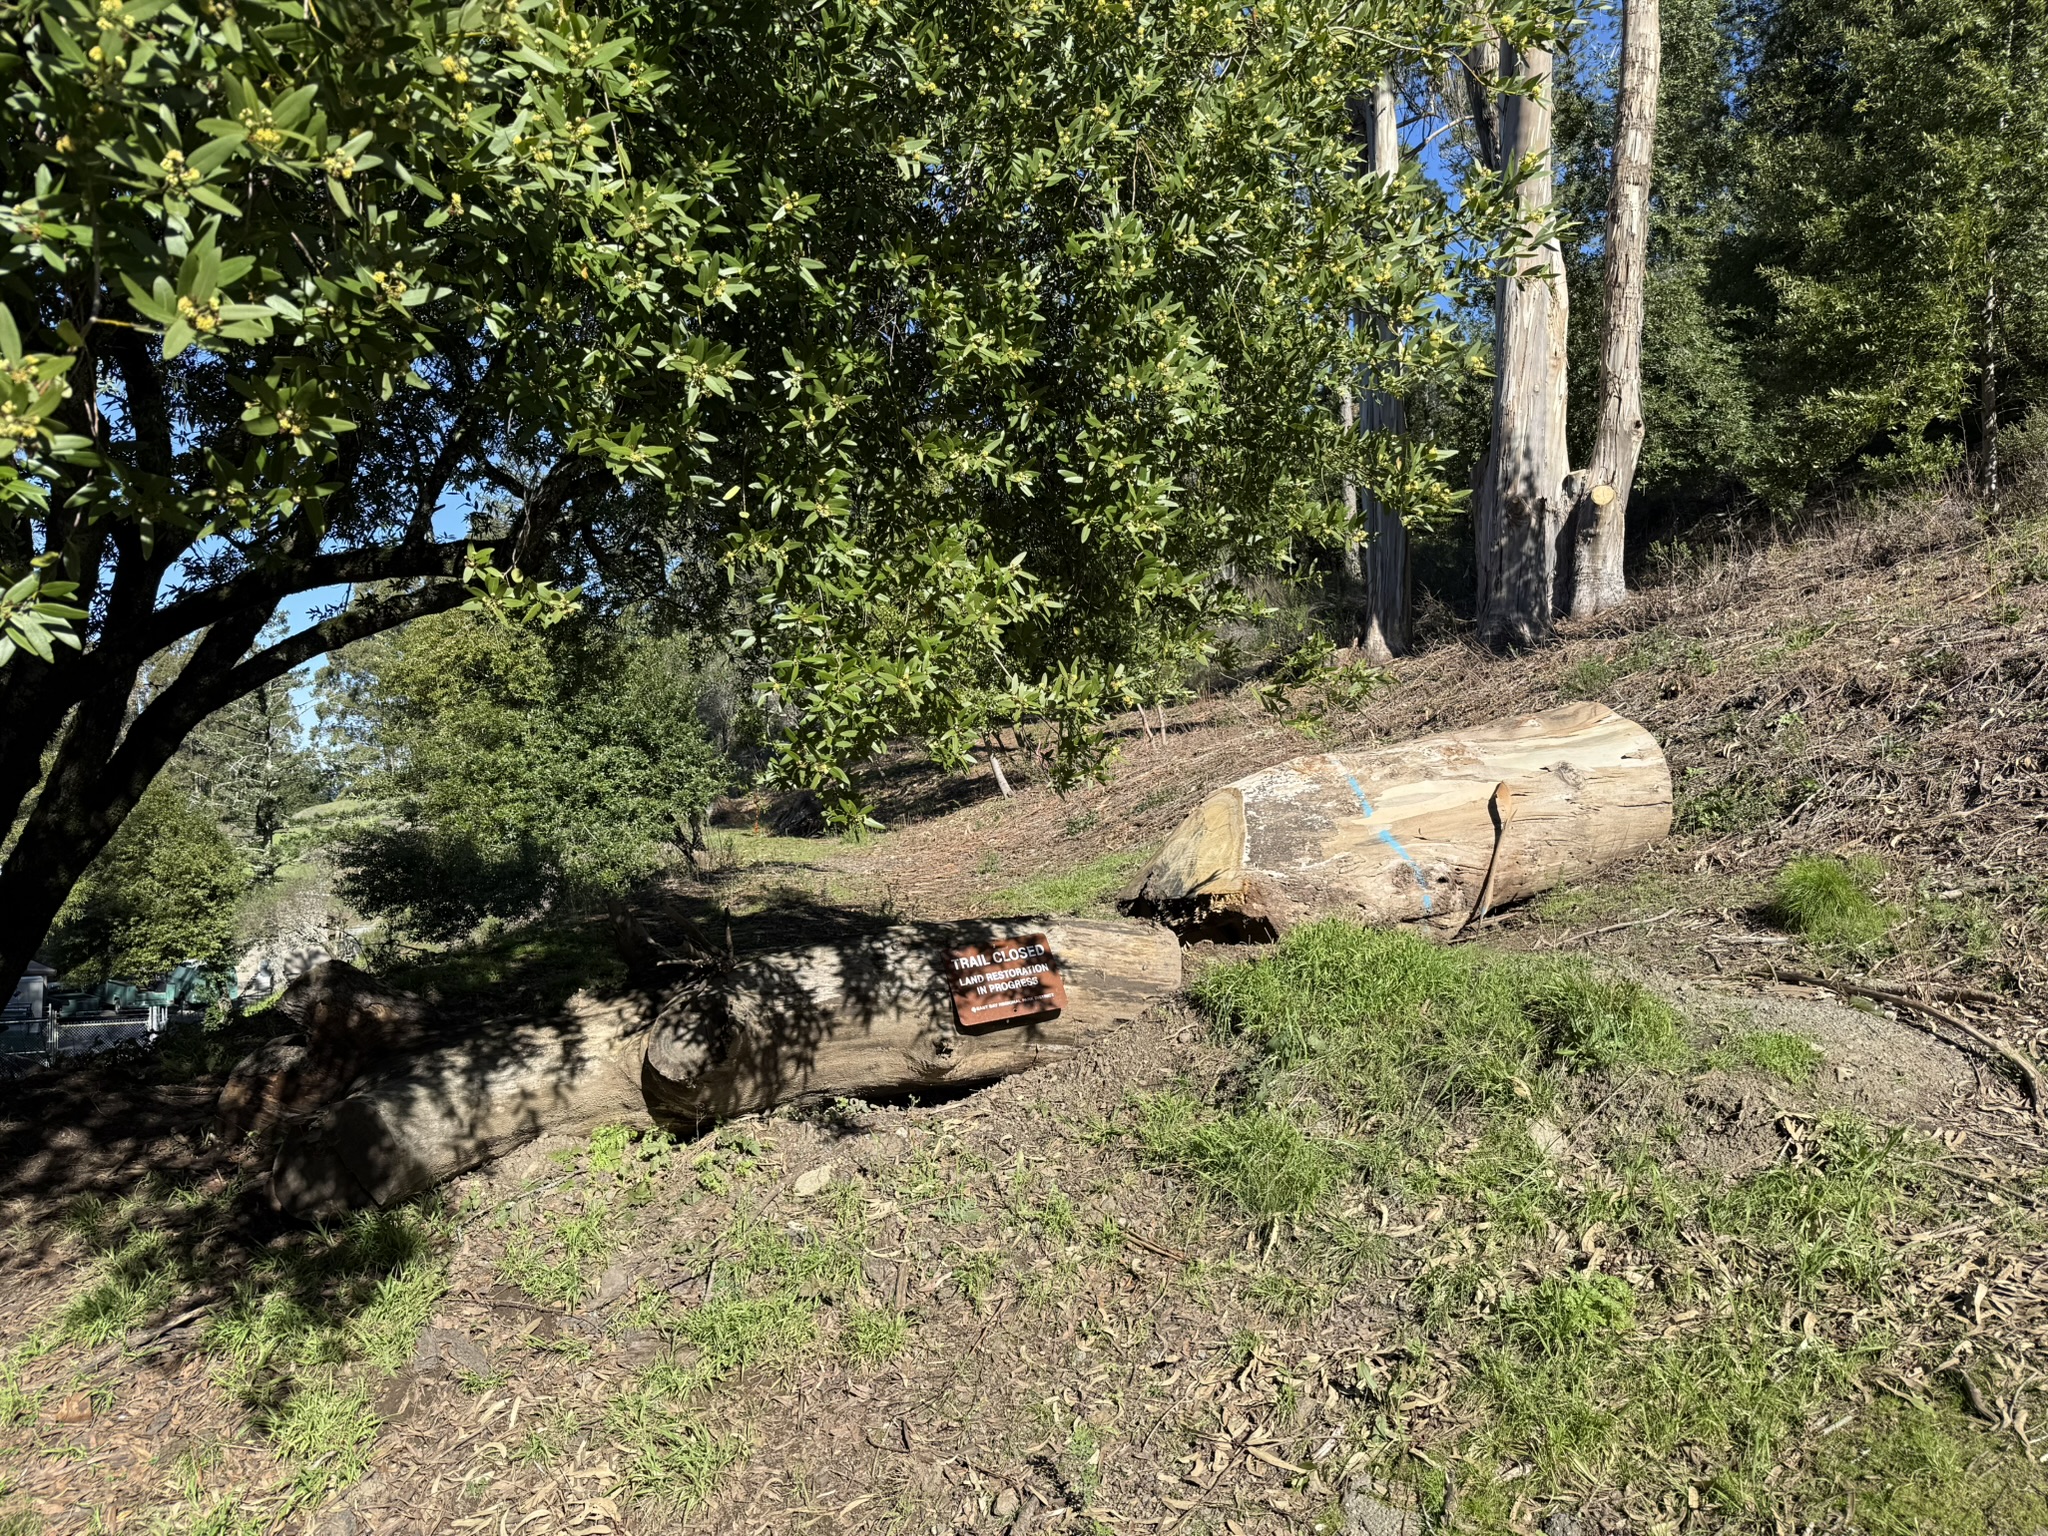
(504, 479)
(456, 447)
(568, 479)
(359, 622)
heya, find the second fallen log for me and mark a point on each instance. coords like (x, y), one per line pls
(1437, 829)
(871, 1015)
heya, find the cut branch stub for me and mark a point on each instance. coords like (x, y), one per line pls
(871, 1016)
(1413, 831)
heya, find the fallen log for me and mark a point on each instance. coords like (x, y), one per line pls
(873, 1015)
(456, 1106)
(1438, 829)
(345, 1019)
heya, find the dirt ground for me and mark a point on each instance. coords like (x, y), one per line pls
(999, 1313)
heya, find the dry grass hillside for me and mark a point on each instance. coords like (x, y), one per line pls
(1595, 1224)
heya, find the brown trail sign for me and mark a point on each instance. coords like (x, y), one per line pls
(1016, 979)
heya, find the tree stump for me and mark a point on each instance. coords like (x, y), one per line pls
(872, 1016)
(1438, 829)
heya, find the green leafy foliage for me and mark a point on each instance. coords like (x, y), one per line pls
(523, 769)
(1844, 235)
(975, 395)
(163, 891)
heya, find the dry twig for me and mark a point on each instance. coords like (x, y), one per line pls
(2029, 1072)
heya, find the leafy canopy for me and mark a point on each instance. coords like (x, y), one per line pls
(960, 358)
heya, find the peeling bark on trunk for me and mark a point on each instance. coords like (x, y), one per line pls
(1601, 521)
(1519, 510)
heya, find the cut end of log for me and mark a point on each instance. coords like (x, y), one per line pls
(1433, 830)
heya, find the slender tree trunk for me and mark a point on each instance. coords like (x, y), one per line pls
(1519, 512)
(1601, 514)
(1386, 620)
(1987, 396)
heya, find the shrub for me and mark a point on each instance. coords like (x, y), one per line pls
(528, 769)
(162, 891)
(1830, 901)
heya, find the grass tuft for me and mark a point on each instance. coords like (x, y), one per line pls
(1088, 888)
(325, 1431)
(1829, 901)
(873, 1335)
(1793, 1058)
(1259, 1158)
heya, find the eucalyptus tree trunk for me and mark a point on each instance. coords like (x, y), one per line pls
(1601, 513)
(1482, 69)
(1987, 395)
(1519, 509)
(1376, 568)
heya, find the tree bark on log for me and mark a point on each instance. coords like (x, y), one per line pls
(1427, 830)
(346, 1019)
(871, 1016)
(454, 1107)
(1602, 519)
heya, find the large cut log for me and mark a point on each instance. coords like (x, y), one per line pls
(448, 1109)
(1438, 829)
(346, 1020)
(873, 1016)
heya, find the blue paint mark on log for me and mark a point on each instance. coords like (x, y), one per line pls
(1409, 859)
(1358, 790)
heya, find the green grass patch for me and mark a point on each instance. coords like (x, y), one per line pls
(1915, 1469)
(1605, 1319)
(554, 1256)
(769, 1284)
(1792, 1058)
(1360, 1030)
(1831, 901)
(1259, 1158)
(873, 1335)
(1376, 1018)
(669, 1455)
(1088, 888)
(296, 1322)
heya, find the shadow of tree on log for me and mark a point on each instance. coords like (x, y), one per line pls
(858, 1007)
